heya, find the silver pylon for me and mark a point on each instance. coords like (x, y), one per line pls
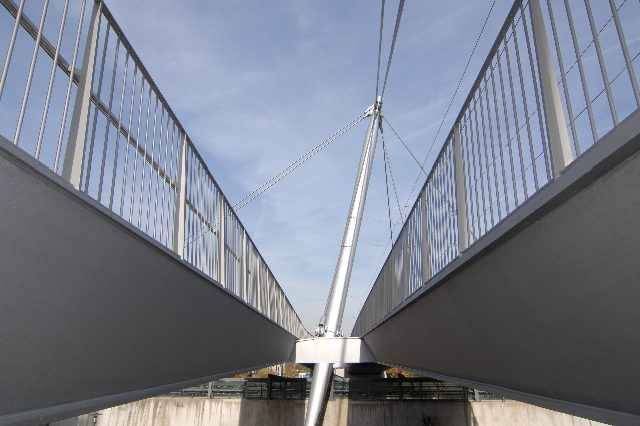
(332, 318)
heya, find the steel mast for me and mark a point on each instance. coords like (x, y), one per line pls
(332, 319)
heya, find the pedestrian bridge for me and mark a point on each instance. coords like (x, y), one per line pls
(126, 273)
(125, 270)
(515, 271)
(541, 309)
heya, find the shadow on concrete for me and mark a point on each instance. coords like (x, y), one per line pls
(410, 413)
(342, 412)
(254, 412)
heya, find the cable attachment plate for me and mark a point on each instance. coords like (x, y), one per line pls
(368, 112)
(322, 330)
(377, 107)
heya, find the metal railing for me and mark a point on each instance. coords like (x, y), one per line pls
(522, 123)
(355, 389)
(273, 387)
(99, 120)
(414, 388)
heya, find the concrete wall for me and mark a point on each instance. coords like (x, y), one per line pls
(232, 412)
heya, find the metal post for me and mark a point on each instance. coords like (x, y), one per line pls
(559, 144)
(222, 278)
(243, 266)
(391, 279)
(334, 309)
(332, 389)
(405, 263)
(426, 261)
(209, 390)
(461, 192)
(72, 166)
(179, 209)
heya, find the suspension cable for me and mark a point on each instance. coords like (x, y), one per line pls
(473, 51)
(208, 227)
(297, 163)
(452, 208)
(386, 182)
(387, 160)
(406, 146)
(380, 47)
(393, 44)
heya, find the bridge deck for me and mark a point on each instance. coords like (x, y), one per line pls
(94, 312)
(544, 308)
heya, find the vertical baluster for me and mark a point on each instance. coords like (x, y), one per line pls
(144, 159)
(180, 200)
(526, 106)
(405, 261)
(494, 159)
(222, 277)
(477, 158)
(244, 266)
(137, 151)
(123, 184)
(152, 161)
(539, 32)
(563, 77)
(210, 221)
(108, 122)
(164, 179)
(171, 183)
(473, 221)
(427, 250)
(157, 233)
(515, 120)
(508, 134)
(118, 132)
(625, 52)
(461, 192)
(486, 154)
(12, 42)
(32, 67)
(45, 111)
(603, 67)
(499, 134)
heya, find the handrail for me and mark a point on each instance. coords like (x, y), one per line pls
(510, 139)
(126, 148)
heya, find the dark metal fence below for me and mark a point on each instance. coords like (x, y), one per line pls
(276, 387)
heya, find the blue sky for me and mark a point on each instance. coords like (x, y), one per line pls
(256, 84)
